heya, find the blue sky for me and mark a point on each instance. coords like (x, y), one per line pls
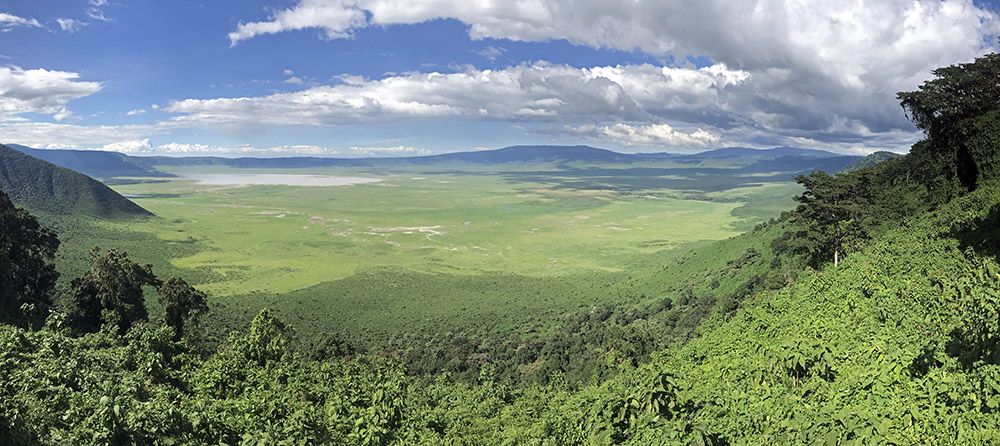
(392, 77)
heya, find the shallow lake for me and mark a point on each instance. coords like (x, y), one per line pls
(266, 179)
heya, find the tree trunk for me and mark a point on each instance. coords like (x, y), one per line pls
(836, 258)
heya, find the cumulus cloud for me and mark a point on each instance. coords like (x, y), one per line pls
(388, 151)
(10, 21)
(62, 135)
(527, 92)
(40, 91)
(131, 146)
(633, 105)
(336, 20)
(136, 112)
(829, 67)
(656, 135)
(69, 25)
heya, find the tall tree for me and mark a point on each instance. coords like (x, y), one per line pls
(948, 107)
(834, 214)
(181, 303)
(111, 292)
(27, 275)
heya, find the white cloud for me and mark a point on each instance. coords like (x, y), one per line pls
(527, 92)
(388, 151)
(136, 112)
(98, 14)
(9, 21)
(655, 135)
(143, 146)
(294, 80)
(131, 146)
(491, 53)
(69, 25)
(40, 91)
(48, 134)
(811, 65)
(336, 20)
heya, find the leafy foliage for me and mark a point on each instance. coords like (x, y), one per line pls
(27, 276)
(182, 304)
(833, 215)
(111, 292)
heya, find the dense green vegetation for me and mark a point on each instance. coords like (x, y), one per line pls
(45, 187)
(93, 163)
(870, 314)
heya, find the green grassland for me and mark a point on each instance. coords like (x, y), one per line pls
(430, 250)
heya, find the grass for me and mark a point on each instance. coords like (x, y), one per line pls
(427, 250)
(279, 239)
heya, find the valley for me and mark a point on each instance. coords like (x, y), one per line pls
(421, 250)
(462, 223)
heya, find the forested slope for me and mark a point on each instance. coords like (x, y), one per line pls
(42, 186)
(93, 163)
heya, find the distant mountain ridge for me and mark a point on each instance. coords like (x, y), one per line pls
(774, 152)
(872, 159)
(42, 186)
(107, 165)
(506, 155)
(93, 163)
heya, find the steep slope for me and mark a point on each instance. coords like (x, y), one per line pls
(896, 346)
(94, 163)
(42, 186)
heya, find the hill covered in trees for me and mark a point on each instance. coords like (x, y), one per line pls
(870, 314)
(94, 163)
(44, 187)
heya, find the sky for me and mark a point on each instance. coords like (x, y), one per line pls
(413, 77)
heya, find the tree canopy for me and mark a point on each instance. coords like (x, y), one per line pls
(111, 292)
(27, 275)
(181, 303)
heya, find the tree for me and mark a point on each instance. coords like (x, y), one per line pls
(948, 108)
(27, 275)
(834, 214)
(266, 342)
(956, 93)
(111, 292)
(181, 303)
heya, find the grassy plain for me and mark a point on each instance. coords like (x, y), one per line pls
(429, 250)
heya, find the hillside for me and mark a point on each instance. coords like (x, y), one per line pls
(94, 163)
(42, 186)
(871, 160)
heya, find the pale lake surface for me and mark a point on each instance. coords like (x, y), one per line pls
(266, 179)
